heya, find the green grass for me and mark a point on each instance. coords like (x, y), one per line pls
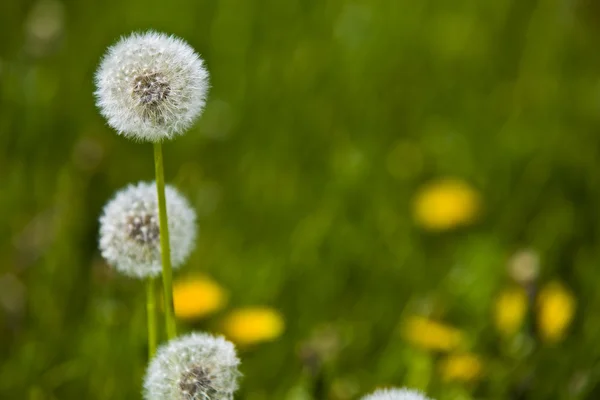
(304, 199)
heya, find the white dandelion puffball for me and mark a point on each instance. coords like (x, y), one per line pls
(197, 366)
(396, 394)
(130, 231)
(151, 86)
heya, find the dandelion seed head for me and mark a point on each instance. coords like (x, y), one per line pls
(396, 394)
(193, 367)
(151, 86)
(524, 266)
(130, 231)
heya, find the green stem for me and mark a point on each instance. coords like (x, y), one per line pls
(151, 311)
(165, 250)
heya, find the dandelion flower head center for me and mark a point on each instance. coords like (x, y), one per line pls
(196, 384)
(151, 88)
(142, 227)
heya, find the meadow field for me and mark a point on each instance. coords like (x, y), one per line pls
(388, 193)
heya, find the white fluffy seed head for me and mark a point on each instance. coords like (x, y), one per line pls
(197, 366)
(151, 86)
(130, 234)
(396, 394)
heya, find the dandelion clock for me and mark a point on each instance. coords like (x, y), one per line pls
(130, 234)
(197, 366)
(151, 86)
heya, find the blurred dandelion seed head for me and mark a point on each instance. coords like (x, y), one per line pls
(151, 86)
(193, 367)
(396, 394)
(44, 26)
(130, 233)
(524, 266)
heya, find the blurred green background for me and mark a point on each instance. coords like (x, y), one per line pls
(324, 121)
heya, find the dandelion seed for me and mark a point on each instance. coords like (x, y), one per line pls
(396, 394)
(193, 367)
(151, 86)
(130, 233)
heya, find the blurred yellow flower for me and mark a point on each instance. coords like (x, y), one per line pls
(461, 367)
(556, 306)
(252, 325)
(430, 335)
(509, 310)
(197, 297)
(445, 204)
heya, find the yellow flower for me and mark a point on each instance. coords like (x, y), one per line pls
(197, 297)
(252, 325)
(445, 204)
(461, 367)
(431, 335)
(556, 307)
(510, 309)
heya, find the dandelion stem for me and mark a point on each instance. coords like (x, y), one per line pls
(151, 311)
(165, 250)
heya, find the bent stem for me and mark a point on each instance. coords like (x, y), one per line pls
(165, 249)
(151, 311)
